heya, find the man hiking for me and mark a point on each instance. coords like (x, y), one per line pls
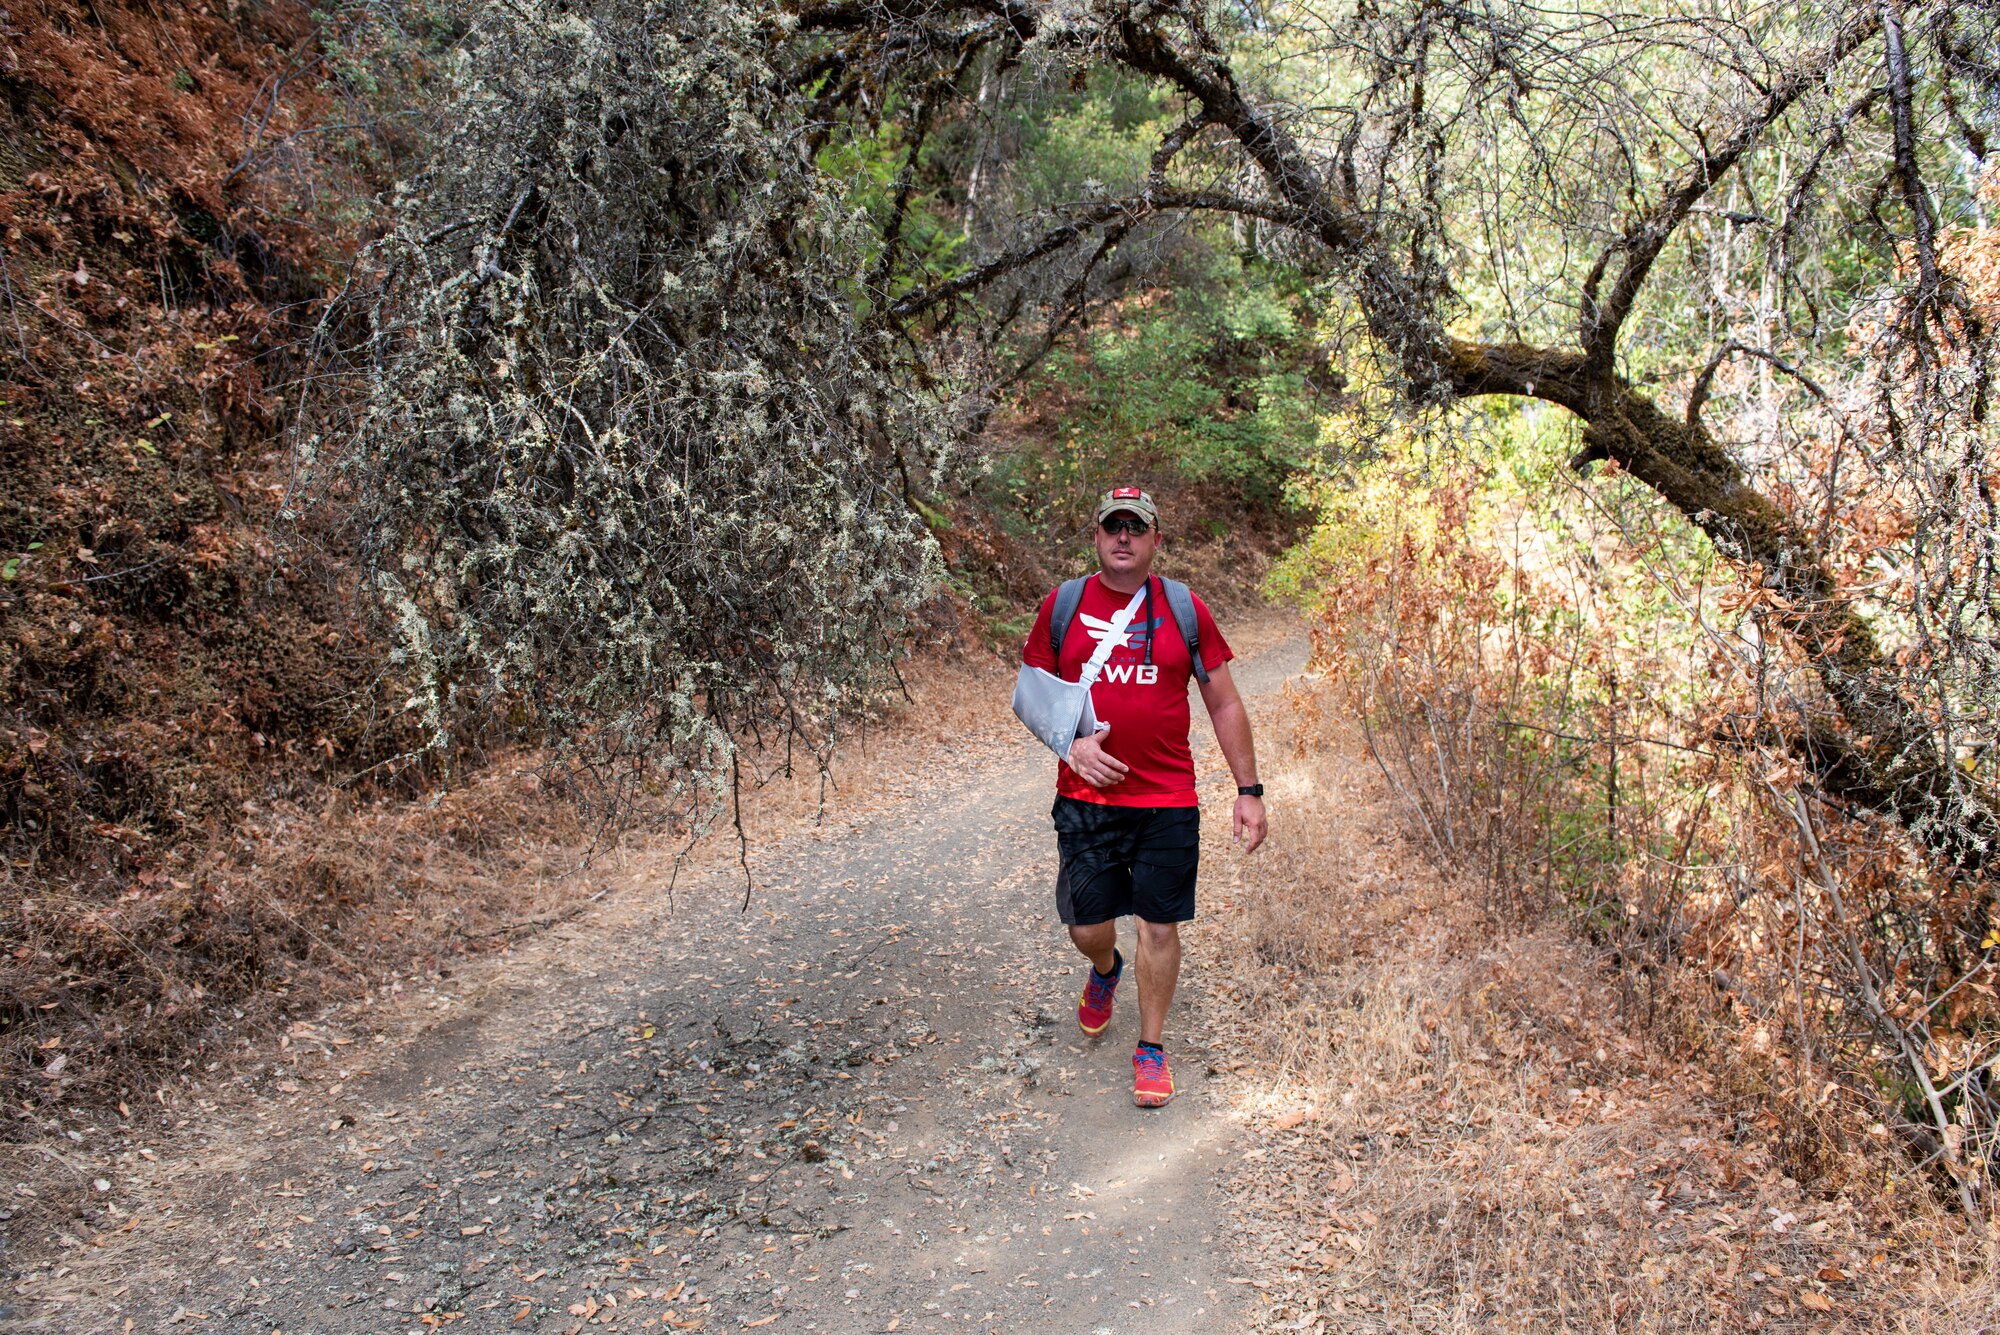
(1127, 817)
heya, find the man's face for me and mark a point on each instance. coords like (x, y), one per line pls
(1125, 552)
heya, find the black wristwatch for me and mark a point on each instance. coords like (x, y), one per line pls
(1249, 790)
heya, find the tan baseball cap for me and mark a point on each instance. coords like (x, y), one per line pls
(1130, 499)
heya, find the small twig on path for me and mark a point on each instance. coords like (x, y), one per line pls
(548, 920)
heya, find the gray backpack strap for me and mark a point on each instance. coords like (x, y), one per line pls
(1182, 603)
(1069, 597)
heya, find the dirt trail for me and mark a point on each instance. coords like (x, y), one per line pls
(861, 1106)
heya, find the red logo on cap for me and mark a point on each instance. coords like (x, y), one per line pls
(1125, 493)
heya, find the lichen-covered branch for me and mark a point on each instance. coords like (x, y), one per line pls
(622, 465)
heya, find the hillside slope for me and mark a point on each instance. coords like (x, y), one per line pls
(169, 666)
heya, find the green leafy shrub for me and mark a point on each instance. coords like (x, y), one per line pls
(1208, 382)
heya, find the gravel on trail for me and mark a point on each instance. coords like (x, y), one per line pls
(863, 1104)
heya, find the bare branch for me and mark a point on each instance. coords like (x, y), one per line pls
(916, 303)
(1923, 219)
(1120, 210)
(1598, 325)
(1698, 395)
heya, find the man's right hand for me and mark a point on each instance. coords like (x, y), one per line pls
(1093, 764)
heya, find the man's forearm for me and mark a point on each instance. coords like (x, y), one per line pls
(1232, 734)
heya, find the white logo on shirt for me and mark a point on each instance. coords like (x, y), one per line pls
(1142, 674)
(1099, 628)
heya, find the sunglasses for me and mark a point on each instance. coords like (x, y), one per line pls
(1117, 524)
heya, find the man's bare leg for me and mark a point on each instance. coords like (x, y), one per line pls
(1159, 970)
(1099, 943)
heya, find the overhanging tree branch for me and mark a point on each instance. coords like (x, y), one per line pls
(1904, 775)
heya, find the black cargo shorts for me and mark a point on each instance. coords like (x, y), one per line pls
(1125, 860)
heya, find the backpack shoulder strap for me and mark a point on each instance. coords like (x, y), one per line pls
(1069, 597)
(1182, 603)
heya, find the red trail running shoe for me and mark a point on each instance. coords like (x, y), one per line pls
(1093, 1011)
(1152, 1085)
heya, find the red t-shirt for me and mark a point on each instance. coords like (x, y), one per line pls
(1146, 703)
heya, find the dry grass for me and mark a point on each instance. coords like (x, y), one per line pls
(1457, 1126)
(292, 910)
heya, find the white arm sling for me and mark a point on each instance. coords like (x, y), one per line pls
(1059, 711)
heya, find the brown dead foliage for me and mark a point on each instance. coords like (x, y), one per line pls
(296, 908)
(1458, 1126)
(172, 673)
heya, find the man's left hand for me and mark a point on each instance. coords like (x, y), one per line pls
(1249, 827)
